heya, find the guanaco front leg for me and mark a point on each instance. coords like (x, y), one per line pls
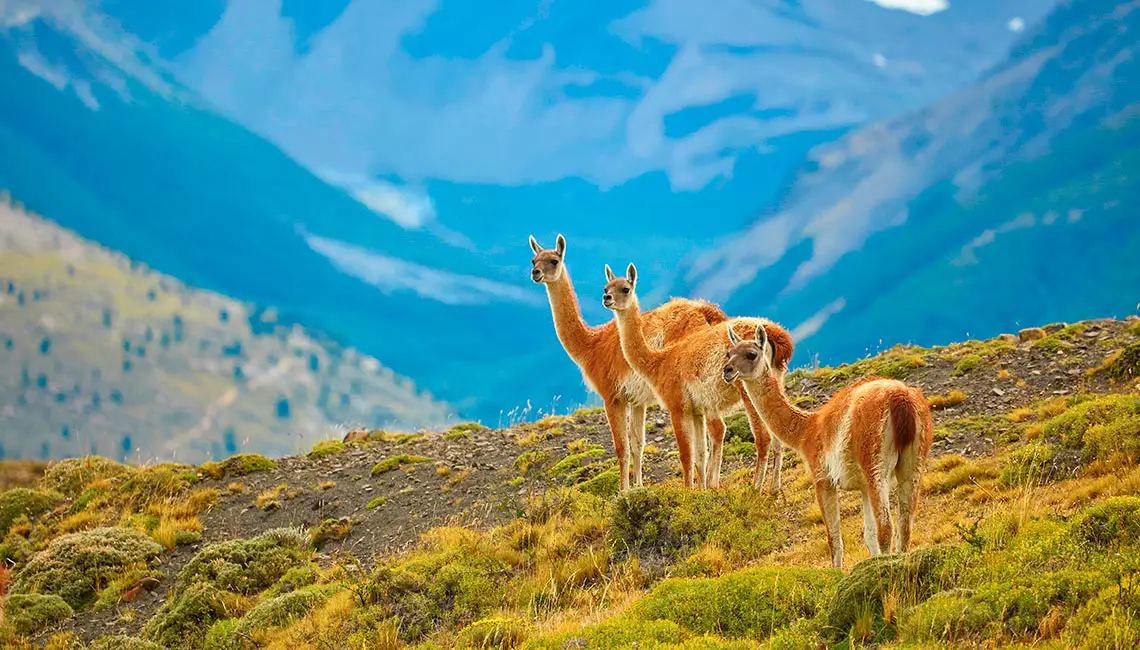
(682, 431)
(636, 442)
(700, 450)
(617, 414)
(715, 426)
(828, 500)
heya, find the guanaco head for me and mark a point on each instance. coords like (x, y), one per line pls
(618, 294)
(546, 265)
(746, 359)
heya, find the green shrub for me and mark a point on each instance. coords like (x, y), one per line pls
(1126, 367)
(1084, 413)
(492, 634)
(604, 485)
(1112, 524)
(911, 577)
(951, 616)
(667, 522)
(737, 429)
(966, 364)
(392, 462)
(120, 642)
(245, 566)
(239, 465)
(1109, 620)
(463, 430)
(1035, 463)
(528, 460)
(69, 477)
(15, 550)
(452, 582)
(751, 603)
(218, 636)
(183, 622)
(326, 448)
(330, 530)
(75, 566)
(617, 634)
(30, 613)
(277, 612)
(22, 502)
(802, 634)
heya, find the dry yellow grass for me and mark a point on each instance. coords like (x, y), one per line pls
(953, 398)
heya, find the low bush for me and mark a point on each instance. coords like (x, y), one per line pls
(76, 566)
(30, 613)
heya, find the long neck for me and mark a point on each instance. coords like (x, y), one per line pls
(786, 420)
(572, 331)
(631, 331)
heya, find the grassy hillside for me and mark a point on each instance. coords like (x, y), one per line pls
(1028, 533)
(103, 356)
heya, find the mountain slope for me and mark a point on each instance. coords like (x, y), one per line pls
(104, 356)
(884, 229)
(142, 167)
(1024, 535)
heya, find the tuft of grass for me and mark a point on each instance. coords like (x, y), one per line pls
(952, 472)
(394, 438)
(377, 502)
(270, 499)
(531, 459)
(326, 448)
(392, 462)
(967, 364)
(330, 530)
(1126, 366)
(239, 465)
(463, 430)
(236, 488)
(498, 633)
(24, 503)
(324, 486)
(953, 398)
(589, 410)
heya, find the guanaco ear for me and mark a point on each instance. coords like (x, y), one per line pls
(761, 337)
(733, 337)
(631, 274)
(560, 245)
(609, 274)
(534, 245)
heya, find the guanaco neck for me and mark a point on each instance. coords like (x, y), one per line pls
(786, 420)
(631, 332)
(572, 331)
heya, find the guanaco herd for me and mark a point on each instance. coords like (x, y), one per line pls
(700, 365)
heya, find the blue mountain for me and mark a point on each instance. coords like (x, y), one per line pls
(970, 190)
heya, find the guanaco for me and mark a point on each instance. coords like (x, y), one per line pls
(686, 377)
(869, 435)
(597, 352)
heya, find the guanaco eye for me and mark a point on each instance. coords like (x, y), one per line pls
(625, 289)
(751, 356)
(554, 262)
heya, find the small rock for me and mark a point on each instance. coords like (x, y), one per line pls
(356, 435)
(1063, 391)
(1132, 319)
(1031, 334)
(1008, 337)
(999, 392)
(1053, 328)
